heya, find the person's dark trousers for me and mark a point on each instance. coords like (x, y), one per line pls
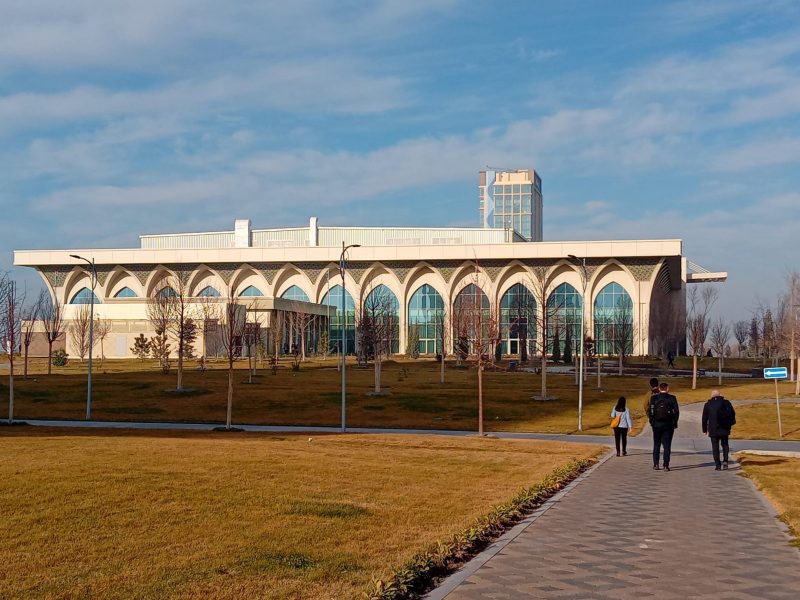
(621, 435)
(662, 435)
(715, 441)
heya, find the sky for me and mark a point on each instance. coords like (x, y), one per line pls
(644, 120)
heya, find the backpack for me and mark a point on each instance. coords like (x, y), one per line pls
(725, 418)
(661, 410)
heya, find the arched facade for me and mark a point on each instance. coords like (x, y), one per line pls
(426, 313)
(342, 321)
(613, 321)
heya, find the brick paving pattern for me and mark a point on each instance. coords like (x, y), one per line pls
(630, 532)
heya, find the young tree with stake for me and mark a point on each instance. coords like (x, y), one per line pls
(698, 323)
(11, 303)
(720, 334)
(30, 316)
(234, 322)
(52, 315)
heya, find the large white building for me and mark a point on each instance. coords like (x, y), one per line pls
(424, 269)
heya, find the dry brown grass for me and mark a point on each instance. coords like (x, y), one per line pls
(188, 515)
(130, 390)
(760, 421)
(779, 479)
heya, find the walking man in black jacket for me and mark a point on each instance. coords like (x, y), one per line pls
(663, 414)
(718, 418)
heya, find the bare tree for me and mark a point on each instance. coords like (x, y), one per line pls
(11, 303)
(102, 327)
(277, 326)
(52, 315)
(741, 331)
(29, 316)
(480, 330)
(377, 327)
(698, 322)
(621, 330)
(159, 313)
(172, 309)
(546, 314)
(442, 322)
(720, 334)
(233, 325)
(299, 323)
(79, 330)
(252, 336)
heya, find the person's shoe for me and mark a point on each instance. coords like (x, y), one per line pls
(717, 468)
(666, 467)
(725, 466)
(624, 454)
(656, 468)
(617, 453)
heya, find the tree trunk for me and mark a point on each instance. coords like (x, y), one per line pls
(719, 375)
(377, 375)
(621, 357)
(694, 371)
(441, 368)
(480, 399)
(49, 357)
(303, 346)
(25, 366)
(230, 395)
(544, 375)
(11, 393)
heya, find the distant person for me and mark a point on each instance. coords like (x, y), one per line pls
(718, 418)
(621, 423)
(653, 391)
(663, 414)
(670, 360)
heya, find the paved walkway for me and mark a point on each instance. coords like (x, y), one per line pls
(626, 531)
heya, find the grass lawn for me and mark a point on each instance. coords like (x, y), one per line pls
(760, 421)
(188, 515)
(779, 479)
(131, 390)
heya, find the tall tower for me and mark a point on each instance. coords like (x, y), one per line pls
(511, 200)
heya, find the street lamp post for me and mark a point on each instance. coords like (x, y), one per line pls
(342, 259)
(91, 333)
(584, 279)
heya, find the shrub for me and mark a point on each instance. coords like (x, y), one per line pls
(60, 358)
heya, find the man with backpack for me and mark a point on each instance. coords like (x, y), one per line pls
(718, 418)
(663, 413)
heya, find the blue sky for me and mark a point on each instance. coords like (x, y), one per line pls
(644, 119)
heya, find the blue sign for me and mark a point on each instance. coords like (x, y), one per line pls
(775, 373)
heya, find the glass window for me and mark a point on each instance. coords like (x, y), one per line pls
(125, 292)
(338, 322)
(84, 296)
(526, 203)
(516, 188)
(516, 203)
(251, 291)
(425, 311)
(381, 304)
(563, 314)
(526, 188)
(518, 320)
(613, 320)
(470, 319)
(208, 292)
(167, 292)
(506, 189)
(295, 293)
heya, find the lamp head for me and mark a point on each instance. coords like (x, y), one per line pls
(75, 256)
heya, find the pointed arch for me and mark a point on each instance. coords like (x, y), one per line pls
(84, 296)
(382, 300)
(425, 310)
(342, 321)
(209, 291)
(120, 278)
(295, 293)
(564, 304)
(125, 292)
(613, 320)
(518, 314)
(251, 291)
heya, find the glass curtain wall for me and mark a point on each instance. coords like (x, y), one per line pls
(382, 303)
(334, 298)
(518, 321)
(564, 313)
(295, 293)
(613, 320)
(425, 311)
(470, 312)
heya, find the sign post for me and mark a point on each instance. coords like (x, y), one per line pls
(776, 373)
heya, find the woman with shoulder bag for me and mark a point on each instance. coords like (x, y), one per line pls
(621, 422)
